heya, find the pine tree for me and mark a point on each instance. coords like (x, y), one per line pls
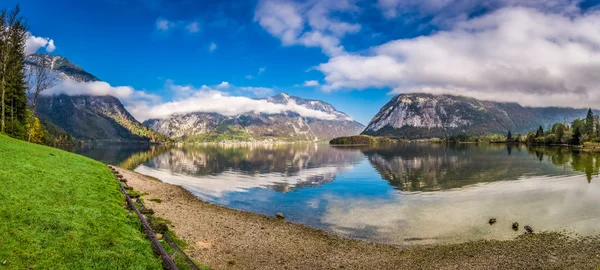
(589, 124)
(509, 136)
(540, 132)
(13, 99)
(576, 139)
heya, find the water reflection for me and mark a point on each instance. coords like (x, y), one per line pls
(408, 193)
(429, 167)
(226, 169)
(461, 214)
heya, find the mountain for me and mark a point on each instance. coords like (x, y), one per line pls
(87, 117)
(415, 116)
(62, 67)
(288, 126)
(97, 118)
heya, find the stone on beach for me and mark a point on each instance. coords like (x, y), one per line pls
(203, 245)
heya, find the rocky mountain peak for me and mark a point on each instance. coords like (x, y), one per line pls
(61, 66)
(419, 115)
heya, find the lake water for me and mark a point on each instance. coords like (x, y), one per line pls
(406, 194)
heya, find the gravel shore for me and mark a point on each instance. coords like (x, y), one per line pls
(224, 238)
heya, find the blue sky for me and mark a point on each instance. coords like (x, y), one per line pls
(357, 53)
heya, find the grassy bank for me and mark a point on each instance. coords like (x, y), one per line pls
(63, 211)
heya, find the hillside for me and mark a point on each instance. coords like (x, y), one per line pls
(87, 117)
(415, 116)
(64, 211)
(96, 118)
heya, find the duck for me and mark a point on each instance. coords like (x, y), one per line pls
(492, 221)
(515, 225)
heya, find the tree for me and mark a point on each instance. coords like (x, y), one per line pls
(597, 125)
(13, 34)
(576, 139)
(530, 138)
(560, 132)
(540, 132)
(35, 131)
(509, 137)
(40, 78)
(589, 124)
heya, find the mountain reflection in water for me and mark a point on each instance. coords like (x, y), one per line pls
(402, 194)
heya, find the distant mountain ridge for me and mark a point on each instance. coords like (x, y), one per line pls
(104, 118)
(250, 126)
(87, 117)
(419, 115)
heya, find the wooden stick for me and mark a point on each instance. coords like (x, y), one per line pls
(168, 263)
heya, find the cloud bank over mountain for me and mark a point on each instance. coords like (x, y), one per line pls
(536, 53)
(222, 98)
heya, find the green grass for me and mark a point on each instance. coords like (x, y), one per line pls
(362, 140)
(223, 133)
(63, 211)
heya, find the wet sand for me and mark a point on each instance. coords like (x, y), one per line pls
(224, 238)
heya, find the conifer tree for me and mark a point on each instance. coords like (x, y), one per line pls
(540, 132)
(589, 123)
(13, 100)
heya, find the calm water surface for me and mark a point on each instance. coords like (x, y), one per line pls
(406, 194)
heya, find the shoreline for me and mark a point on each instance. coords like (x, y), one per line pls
(225, 238)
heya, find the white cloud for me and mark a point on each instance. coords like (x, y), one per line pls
(449, 11)
(513, 54)
(181, 91)
(310, 24)
(193, 27)
(33, 44)
(165, 25)
(260, 71)
(98, 88)
(258, 91)
(311, 83)
(207, 99)
(212, 47)
(187, 98)
(50, 47)
(223, 85)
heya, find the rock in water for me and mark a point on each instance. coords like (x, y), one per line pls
(528, 229)
(280, 215)
(515, 225)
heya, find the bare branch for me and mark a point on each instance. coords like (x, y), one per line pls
(40, 78)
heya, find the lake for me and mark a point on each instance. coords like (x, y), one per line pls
(411, 193)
